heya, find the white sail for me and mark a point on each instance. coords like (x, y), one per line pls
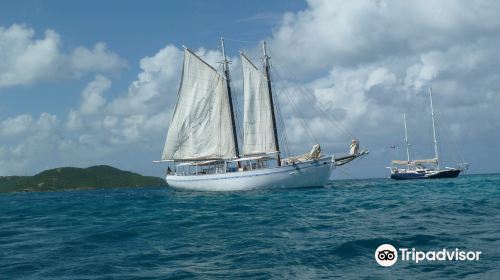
(402, 162)
(258, 135)
(354, 147)
(201, 123)
(417, 161)
(426, 161)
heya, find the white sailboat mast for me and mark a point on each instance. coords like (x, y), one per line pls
(273, 115)
(434, 130)
(406, 140)
(229, 95)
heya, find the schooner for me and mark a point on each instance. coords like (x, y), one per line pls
(202, 140)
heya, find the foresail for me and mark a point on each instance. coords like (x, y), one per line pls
(201, 124)
(258, 137)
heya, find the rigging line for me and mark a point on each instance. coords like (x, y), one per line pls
(453, 150)
(455, 146)
(281, 124)
(436, 123)
(327, 116)
(284, 135)
(335, 122)
(342, 129)
(448, 143)
(306, 93)
(301, 118)
(456, 156)
(450, 149)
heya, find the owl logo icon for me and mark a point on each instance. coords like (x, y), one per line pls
(386, 255)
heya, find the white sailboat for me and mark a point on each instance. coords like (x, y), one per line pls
(202, 141)
(416, 169)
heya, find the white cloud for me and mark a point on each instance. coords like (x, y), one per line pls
(32, 143)
(16, 125)
(92, 95)
(47, 122)
(349, 32)
(363, 62)
(380, 76)
(421, 73)
(95, 131)
(160, 74)
(25, 59)
(367, 62)
(73, 121)
(98, 59)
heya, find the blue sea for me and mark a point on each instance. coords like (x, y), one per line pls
(317, 233)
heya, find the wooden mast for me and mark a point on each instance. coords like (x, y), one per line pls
(273, 116)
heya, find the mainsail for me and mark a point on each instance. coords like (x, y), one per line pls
(424, 161)
(416, 162)
(257, 119)
(201, 123)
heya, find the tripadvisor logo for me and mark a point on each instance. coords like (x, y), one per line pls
(387, 255)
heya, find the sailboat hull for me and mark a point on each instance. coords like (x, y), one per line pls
(305, 174)
(449, 173)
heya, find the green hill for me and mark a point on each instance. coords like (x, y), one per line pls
(71, 178)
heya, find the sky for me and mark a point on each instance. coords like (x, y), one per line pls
(94, 82)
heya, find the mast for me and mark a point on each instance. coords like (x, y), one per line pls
(434, 130)
(269, 87)
(225, 64)
(406, 140)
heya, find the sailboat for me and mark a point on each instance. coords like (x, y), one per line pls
(416, 169)
(202, 140)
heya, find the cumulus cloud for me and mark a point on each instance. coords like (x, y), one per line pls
(380, 76)
(98, 130)
(159, 74)
(92, 95)
(26, 59)
(104, 130)
(363, 63)
(367, 62)
(16, 125)
(28, 142)
(99, 59)
(350, 32)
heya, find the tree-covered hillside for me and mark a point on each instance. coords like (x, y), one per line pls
(70, 178)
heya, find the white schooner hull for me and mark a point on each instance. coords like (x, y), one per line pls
(304, 174)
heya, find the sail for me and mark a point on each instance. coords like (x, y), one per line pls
(201, 123)
(354, 147)
(402, 162)
(417, 161)
(424, 161)
(258, 135)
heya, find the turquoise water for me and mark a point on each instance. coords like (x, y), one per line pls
(315, 233)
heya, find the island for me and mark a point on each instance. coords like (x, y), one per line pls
(73, 178)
